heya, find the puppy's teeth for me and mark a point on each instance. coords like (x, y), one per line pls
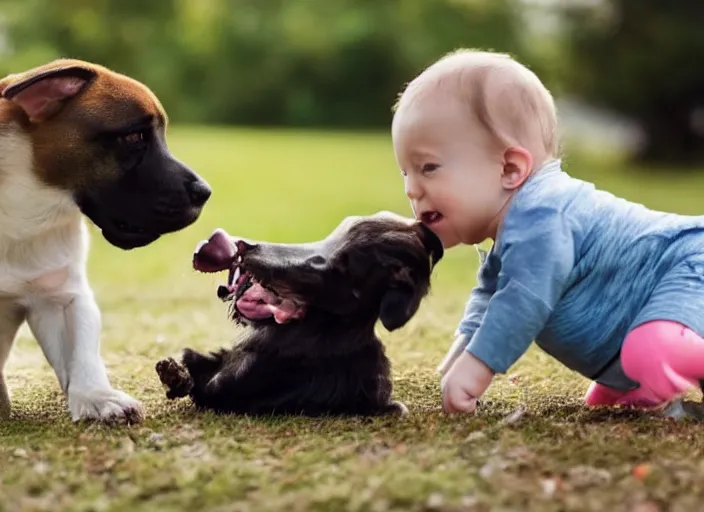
(236, 275)
(239, 259)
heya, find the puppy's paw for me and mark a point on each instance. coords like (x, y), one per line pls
(175, 377)
(397, 409)
(197, 363)
(106, 405)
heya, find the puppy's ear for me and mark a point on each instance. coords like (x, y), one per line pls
(398, 306)
(42, 93)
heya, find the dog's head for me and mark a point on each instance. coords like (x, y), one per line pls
(368, 268)
(100, 136)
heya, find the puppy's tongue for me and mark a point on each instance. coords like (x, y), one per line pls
(287, 310)
(215, 254)
(259, 303)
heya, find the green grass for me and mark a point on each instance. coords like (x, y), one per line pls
(288, 187)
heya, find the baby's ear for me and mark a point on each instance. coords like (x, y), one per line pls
(517, 166)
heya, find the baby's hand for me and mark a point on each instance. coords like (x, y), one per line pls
(467, 380)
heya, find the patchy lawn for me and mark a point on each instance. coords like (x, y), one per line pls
(532, 446)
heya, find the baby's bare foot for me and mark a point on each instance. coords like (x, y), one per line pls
(175, 378)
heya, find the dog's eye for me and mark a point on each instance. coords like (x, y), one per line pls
(133, 138)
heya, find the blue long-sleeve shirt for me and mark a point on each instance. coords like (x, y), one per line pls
(574, 269)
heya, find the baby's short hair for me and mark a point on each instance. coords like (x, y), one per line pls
(506, 98)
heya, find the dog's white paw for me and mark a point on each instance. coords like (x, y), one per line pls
(398, 408)
(107, 405)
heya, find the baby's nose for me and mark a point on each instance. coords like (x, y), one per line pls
(412, 190)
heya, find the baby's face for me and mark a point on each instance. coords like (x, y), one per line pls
(451, 172)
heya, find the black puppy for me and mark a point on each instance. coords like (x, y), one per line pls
(311, 308)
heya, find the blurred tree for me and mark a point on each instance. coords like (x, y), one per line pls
(286, 62)
(642, 58)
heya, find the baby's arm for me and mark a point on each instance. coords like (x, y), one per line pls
(536, 260)
(473, 312)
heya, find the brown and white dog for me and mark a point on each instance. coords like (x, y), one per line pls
(78, 139)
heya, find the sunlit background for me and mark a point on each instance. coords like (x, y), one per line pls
(284, 107)
(625, 73)
(627, 77)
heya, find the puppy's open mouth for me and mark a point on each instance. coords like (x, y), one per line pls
(253, 301)
(250, 298)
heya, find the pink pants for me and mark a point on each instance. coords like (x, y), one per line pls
(665, 358)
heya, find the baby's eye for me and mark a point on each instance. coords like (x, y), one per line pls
(429, 167)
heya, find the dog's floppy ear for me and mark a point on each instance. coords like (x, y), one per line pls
(432, 244)
(401, 302)
(41, 93)
(398, 306)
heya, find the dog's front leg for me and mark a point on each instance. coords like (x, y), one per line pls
(69, 334)
(11, 317)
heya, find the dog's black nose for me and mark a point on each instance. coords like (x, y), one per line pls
(198, 191)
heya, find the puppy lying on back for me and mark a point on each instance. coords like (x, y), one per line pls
(311, 311)
(77, 139)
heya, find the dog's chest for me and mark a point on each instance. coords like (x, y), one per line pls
(42, 265)
(42, 236)
(28, 208)
(17, 283)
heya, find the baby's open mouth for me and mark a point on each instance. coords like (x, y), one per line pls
(431, 217)
(252, 300)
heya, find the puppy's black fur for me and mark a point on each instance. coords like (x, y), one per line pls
(329, 361)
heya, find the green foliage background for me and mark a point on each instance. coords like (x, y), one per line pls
(283, 62)
(341, 63)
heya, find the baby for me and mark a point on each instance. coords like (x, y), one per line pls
(609, 288)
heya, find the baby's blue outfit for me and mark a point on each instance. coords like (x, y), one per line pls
(575, 269)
